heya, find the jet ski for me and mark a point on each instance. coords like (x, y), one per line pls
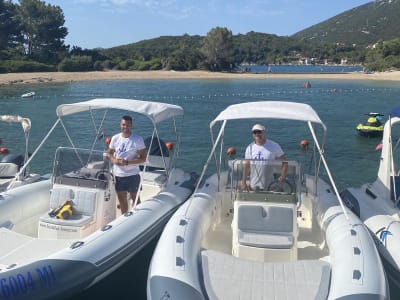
(373, 127)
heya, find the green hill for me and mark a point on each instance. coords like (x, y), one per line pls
(363, 25)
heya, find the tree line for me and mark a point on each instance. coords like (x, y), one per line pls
(32, 38)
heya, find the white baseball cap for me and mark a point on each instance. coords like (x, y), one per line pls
(258, 127)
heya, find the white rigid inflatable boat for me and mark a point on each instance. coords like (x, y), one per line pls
(45, 254)
(378, 203)
(291, 240)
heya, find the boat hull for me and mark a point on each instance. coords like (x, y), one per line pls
(175, 271)
(82, 262)
(383, 224)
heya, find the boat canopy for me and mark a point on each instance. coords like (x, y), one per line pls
(269, 109)
(395, 112)
(155, 111)
(283, 110)
(25, 122)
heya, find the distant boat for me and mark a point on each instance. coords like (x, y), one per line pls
(28, 95)
(373, 127)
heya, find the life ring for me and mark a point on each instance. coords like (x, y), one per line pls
(4, 150)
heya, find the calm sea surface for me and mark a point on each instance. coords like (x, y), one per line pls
(340, 104)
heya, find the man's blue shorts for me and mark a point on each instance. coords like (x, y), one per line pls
(128, 183)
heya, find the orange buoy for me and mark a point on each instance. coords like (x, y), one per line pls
(107, 141)
(4, 150)
(169, 145)
(304, 144)
(231, 151)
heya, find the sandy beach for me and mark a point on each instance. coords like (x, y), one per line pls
(47, 77)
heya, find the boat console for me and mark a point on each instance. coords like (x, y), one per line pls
(265, 220)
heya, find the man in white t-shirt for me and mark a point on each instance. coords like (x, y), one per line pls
(259, 152)
(127, 150)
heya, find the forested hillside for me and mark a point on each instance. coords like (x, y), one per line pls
(32, 38)
(363, 25)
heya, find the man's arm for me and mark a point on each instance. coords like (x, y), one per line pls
(245, 173)
(283, 168)
(140, 158)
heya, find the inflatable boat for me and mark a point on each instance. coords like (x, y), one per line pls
(11, 163)
(378, 203)
(62, 235)
(291, 239)
(28, 95)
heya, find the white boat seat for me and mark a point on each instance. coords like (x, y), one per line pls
(229, 277)
(8, 170)
(83, 206)
(263, 240)
(265, 226)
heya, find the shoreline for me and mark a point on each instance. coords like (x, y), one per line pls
(62, 77)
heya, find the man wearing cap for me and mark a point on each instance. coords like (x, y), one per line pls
(258, 152)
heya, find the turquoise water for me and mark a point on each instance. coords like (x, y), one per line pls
(340, 104)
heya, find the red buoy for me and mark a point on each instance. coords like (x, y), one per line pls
(304, 144)
(169, 145)
(4, 150)
(231, 151)
(107, 141)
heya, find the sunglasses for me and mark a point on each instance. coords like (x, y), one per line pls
(257, 131)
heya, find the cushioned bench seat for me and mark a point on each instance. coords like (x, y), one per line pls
(263, 240)
(229, 277)
(265, 226)
(8, 170)
(83, 206)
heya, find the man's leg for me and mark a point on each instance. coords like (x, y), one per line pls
(134, 187)
(123, 201)
(133, 197)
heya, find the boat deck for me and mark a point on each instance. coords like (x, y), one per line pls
(310, 244)
(19, 249)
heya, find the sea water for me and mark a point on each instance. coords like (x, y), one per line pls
(341, 104)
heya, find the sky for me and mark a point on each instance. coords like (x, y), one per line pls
(109, 23)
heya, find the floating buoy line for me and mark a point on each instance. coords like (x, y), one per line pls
(216, 95)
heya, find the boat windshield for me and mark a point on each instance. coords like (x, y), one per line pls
(73, 166)
(262, 180)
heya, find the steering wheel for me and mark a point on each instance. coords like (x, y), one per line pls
(102, 175)
(280, 187)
